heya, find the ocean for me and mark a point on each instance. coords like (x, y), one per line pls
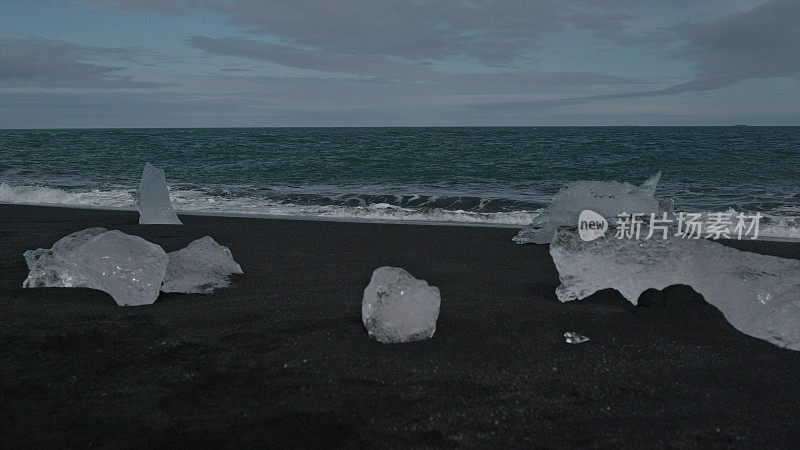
(496, 175)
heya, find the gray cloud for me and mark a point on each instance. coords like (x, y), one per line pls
(498, 33)
(384, 61)
(333, 103)
(758, 43)
(167, 6)
(302, 58)
(495, 32)
(382, 68)
(40, 62)
(606, 25)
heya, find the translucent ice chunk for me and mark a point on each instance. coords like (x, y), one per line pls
(154, 204)
(571, 337)
(759, 295)
(607, 198)
(200, 268)
(47, 266)
(398, 307)
(128, 268)
(649, 186)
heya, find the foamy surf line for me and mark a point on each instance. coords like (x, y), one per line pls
(198, 203)
(194, 202)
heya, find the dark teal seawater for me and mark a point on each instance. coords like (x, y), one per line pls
(493, 174)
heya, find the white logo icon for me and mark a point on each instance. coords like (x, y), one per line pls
(591, 225)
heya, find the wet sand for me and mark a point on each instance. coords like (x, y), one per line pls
(281, 357)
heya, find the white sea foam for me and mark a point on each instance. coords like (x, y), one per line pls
(43, 195)
(199, 202)
(781, 224)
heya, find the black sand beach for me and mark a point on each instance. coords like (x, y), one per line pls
(281, 358)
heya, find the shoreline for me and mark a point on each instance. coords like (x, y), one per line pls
(311, 218)
(274, 216)
(281, 357)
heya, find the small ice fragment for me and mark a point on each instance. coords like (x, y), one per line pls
(398, 307)
(571, 337)
(607, 198)
(758, 294)
(128, 268)
(154, 204)
(200, 267)
(649, 186)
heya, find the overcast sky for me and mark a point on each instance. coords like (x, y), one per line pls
(205, 63)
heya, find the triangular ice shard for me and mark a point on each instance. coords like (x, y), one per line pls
(154, 204)
(649, 186)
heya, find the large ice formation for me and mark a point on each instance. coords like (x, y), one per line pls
(154, 204)
(398, 307)
(128, 268)
(758, 294)
(607, 198)
(200, 267)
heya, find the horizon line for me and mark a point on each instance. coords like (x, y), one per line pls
(394, 126)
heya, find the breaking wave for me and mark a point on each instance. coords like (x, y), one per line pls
(414, 208)
(783, 223)
(43, 195)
